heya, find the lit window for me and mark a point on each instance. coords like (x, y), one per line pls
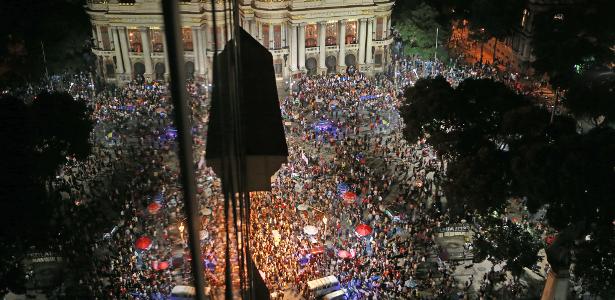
(331, 39)
(311, 35)
(134, 37)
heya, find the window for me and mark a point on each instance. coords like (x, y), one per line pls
(378, 59)
(331, 39)
(156, 37)
(311, 35)
(134, 38)
(277, 36)
(351, 32)
(187, 38)
(104, 36)
(265, 30)
(110, 69)
(379, 25)
(277, 66)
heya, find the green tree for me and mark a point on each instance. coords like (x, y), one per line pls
(506, 242)
(417, 24)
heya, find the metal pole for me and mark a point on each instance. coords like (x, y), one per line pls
(555, 105)
(435, 53)
(182, 122)
(45, 63)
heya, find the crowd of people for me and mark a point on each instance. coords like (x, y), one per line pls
(348, 165)
(409, 69)
(344, 133)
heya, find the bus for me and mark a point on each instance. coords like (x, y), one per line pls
(337, 295)
(322, 286)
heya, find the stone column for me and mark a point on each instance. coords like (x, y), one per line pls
(202, 52)
(166, 55)
(119, 59)
(271, 37)
(362, 41)
(229, 32)
(253, 28)
(293, 47)
(370, 38)
(301, 42)
(125, 50)
(110, 35)
(341, 41)
(284, 35)
(99, 38)
(147, 55)
(196, 50)
(385, 30)
(209, 36)
(259, 26)
(322, 34)
(95, 37)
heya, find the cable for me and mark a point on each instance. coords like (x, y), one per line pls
(179, 96)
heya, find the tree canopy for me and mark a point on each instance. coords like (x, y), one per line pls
(416, 22)
(506, 242)
(37, 138)
(499, 145)
(62, 27)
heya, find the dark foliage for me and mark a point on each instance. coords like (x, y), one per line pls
(36, 140)
(568, 39)
(62, 26)
(499, 145)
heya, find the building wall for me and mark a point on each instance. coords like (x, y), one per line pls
(304, 36)
(519, 44)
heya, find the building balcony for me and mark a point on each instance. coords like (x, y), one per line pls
(383, 42)
(280, 51)
(352, 46)
(312, 50)
(271, 4)
(332, 48)
(101, 52)
(158, 55)
(98, 5)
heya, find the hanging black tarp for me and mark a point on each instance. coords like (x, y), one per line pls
(262, 131)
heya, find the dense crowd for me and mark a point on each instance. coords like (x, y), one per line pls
(348, 166)
(408, 70)
(360, 149)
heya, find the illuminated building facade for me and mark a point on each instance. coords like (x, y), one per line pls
(304, 36)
